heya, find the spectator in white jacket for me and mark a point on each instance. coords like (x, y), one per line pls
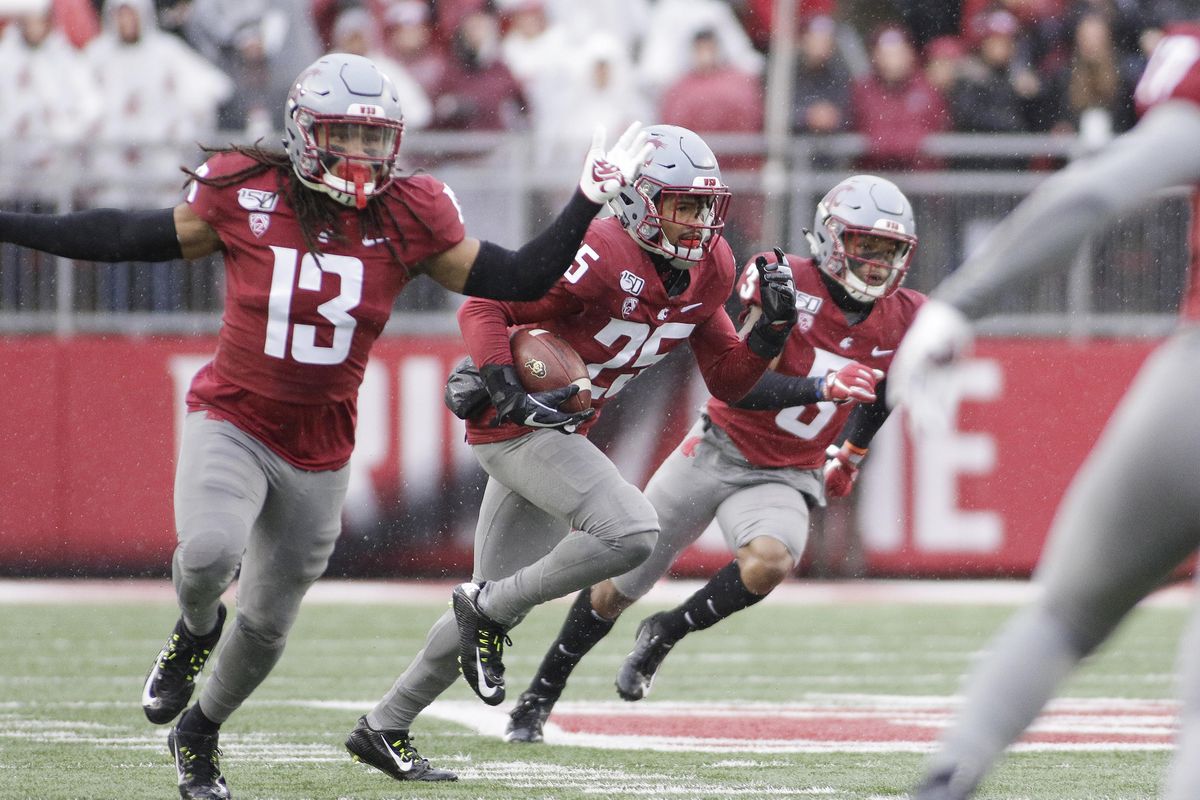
(160, 99)
(50, 107)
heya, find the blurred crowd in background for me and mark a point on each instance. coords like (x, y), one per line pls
(137, 71)
(104, 100)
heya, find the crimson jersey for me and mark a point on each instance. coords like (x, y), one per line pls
(612, 307)
(298, 328)
(1173, 73)
(821, 341)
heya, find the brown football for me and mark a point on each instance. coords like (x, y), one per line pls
(545, 361)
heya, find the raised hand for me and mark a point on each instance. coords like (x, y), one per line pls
(852, 383)
(606, 173)
(777, 295)
(921, 375)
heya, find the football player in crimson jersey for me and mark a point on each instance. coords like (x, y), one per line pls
(318, 241)
(1132, 513)
(759, 464)
(556, 515)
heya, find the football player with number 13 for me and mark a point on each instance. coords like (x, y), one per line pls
(318, 241)
(556, 515)
(760, 464)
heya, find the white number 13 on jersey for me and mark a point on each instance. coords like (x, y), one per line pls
(304, 337)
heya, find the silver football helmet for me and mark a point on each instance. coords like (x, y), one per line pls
(863, 236)
(680, 184)
(342, 127)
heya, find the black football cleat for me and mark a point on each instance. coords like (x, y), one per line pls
(650, 647)
(172, 679)
(392, 751)
(481, 643)
(528, 717)
(198, 762)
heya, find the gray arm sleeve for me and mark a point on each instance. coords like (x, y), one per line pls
(1047, 228)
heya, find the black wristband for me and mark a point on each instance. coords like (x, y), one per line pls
(775, 390)
(102, 234)
(765, 340)
(502, 386)
(528, 273)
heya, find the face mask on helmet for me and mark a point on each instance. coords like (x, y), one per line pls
(681, 223)
(349, 158)
(869, 263)
(863, 237)
(343, 129)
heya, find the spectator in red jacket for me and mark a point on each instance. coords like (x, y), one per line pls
(478, 92)
(895, 107)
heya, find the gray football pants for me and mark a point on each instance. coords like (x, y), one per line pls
(716, 482)
(237, 502)
(1131, 516)
(556, 517)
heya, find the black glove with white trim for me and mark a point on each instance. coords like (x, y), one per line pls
(537, 410)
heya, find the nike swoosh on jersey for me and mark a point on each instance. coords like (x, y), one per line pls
(876, 352)
(686, 309)
(403, 764)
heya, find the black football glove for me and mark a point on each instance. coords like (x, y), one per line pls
(537, 410)
(778, 297)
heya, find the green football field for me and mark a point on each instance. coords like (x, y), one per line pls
(835, 692)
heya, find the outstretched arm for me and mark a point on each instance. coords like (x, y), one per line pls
(1042, 233)
(485, 269)
(109, 234)
(1048, 227)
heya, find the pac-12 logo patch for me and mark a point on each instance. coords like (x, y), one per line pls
(629, 306)
(804, 322)
(259, 224)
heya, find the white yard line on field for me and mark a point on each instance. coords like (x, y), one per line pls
(799, 592)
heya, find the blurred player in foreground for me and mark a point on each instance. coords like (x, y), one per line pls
(760, 464)
(1132, 513)
(556, 514)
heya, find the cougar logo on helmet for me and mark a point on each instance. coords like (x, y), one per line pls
(863, 236)
(680, 185)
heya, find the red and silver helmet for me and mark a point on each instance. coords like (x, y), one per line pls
(342, 128)
(863, 236)
(680, 167)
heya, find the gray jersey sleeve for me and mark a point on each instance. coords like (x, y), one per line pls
(1048, 227)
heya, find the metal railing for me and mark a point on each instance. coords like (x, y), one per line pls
(1127, 281)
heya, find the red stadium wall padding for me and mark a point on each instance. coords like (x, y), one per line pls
(90, 429)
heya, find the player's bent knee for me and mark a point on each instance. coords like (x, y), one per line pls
(209, 554)
(764, 564)
(636, 547)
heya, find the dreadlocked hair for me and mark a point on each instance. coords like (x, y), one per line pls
(315, 212)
